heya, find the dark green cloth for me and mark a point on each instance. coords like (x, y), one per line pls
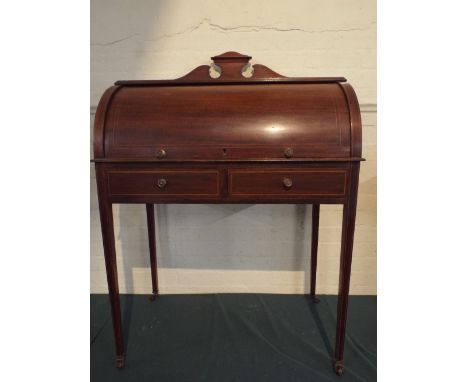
(232, 337)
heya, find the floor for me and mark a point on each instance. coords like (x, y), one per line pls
(233, 337)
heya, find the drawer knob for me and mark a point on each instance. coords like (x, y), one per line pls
(288, 152)
(162, 183)
(161, 154)
(287, 182)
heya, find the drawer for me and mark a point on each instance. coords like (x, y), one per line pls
(283, 182)
(164, 182)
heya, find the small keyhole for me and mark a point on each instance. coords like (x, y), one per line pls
(224, 151)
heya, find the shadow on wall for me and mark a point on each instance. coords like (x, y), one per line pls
(228, 237)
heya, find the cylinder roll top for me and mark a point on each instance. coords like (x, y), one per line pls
(249, 119)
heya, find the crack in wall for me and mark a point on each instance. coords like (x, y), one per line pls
(253, 28)
(258, 28)
(235, 29)
(115, 41)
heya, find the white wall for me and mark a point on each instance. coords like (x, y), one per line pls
(237, 248)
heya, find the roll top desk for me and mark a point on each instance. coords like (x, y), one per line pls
(250, 135)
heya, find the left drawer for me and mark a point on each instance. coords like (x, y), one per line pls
(163, 182)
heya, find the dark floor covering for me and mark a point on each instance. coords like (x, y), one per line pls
(233, 337)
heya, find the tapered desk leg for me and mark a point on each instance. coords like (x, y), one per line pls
(107, 226)
(152, 249)
(347, 237)
(313, 257)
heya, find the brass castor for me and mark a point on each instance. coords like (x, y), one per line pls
(120, 361)
(315, 299)
(339, 368)
(153, 296)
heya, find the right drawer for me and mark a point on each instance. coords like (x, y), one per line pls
(284, 182)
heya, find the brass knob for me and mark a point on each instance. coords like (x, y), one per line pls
(288, 152)
(287, 182)
(161, 154)
(162, 183)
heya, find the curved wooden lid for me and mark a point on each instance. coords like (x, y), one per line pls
(259, 117)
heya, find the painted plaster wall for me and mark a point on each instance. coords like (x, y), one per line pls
(237, 248)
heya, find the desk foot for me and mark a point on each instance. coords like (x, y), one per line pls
(315, 299)
(120, 361)
(339, 368)
(153, 296)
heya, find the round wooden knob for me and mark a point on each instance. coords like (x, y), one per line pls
(287, 182)
(288, 152)
(162, 183)
(161, 154)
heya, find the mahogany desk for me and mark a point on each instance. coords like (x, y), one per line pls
(242, 137)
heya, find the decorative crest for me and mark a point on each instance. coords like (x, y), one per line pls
(231, 66)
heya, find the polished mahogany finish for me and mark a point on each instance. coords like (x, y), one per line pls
(314, 250)
(229, 133)
(287, 182)
(228, 122)
(152, 248)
